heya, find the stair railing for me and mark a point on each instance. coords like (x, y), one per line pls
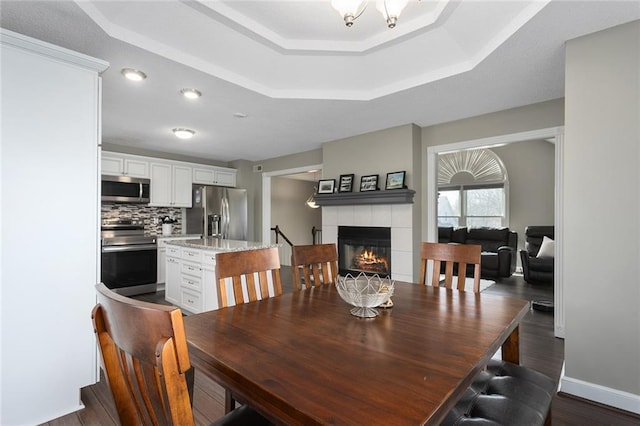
(284, 249)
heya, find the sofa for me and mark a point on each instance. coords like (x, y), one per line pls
(499, 248)
(537, 269)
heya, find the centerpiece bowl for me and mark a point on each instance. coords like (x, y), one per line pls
(364, 292)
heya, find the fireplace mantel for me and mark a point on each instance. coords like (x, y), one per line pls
(392, 196)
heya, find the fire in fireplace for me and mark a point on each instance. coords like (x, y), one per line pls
(364, 249)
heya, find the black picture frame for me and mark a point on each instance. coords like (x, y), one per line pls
(395, 180)
(369, 183)
(326, 186)
(346, 183)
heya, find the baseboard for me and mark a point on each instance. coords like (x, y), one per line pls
(622, 400)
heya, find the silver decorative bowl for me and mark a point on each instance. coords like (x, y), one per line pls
(365, 292)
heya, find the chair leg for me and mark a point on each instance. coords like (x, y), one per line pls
(229, 402)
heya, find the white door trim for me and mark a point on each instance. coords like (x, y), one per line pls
(553, 132)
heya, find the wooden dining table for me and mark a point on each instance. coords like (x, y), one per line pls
(302, 358)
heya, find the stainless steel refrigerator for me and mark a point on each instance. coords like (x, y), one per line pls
(218, 212)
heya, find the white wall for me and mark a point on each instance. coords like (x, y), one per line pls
(49, 225)
(602, 217)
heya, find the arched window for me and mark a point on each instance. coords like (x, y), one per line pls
(472, 189)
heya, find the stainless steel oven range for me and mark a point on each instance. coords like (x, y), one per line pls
(129, 257)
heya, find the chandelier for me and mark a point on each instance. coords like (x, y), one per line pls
(350, 10)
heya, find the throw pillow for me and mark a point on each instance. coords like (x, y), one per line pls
(547, 248)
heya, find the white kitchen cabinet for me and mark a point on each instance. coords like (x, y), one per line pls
(186, 279)
(190, 282)
(173, 276)
(116, 165)
(193, 286)
(170, 185)
(162, 254)
(225, 178)
(214, 176)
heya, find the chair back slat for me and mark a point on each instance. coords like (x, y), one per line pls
(242, 267)
(450, 255)
(145, 359)
(318, 262)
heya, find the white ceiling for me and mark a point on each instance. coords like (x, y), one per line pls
(303, 78)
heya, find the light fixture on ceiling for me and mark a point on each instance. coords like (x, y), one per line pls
(191, 93)
(311, 201)
(133, 75)
(350, 10)
(183, 133)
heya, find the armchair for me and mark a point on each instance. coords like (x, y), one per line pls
(536, 270)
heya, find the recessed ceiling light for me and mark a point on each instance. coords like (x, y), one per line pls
(191, 93)
(240, 115)
(183, 133)
(133, 75)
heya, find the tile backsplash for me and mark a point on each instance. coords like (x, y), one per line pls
(144, 213)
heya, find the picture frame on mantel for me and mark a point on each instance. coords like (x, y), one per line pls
(369, 183)
(395, 180)
(326, 186)
(345, 184)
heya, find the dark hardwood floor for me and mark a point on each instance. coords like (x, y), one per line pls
(539, 350)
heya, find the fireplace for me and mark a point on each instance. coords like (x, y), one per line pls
(364, 249)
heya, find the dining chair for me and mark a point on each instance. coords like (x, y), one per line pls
(242, 267)
(146, 363)
(503, 392)
(318, 263)
(455, 258)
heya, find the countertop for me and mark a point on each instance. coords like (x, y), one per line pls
(178, 236)
(218, 244)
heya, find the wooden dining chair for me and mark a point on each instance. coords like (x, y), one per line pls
(240, 267)
(318, 263)
(450, 255)
(244, 266)
(146, 363)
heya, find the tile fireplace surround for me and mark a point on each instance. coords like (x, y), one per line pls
(396, 216)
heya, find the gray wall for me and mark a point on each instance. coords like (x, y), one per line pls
(251, 180)
(289, 211)
(602, 184)
(380, 152)
(531, 117)
(530, 166)
(385, 151)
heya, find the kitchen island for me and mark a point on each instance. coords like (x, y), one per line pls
(191, 271)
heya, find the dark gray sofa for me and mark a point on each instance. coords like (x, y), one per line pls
(499, 248)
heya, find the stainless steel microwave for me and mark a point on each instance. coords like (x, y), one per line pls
(125, 189)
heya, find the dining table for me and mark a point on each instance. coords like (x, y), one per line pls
(301, 358)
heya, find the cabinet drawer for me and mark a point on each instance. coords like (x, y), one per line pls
(192, 283)
(173, 251)
(191, 302)
(192, 255)
(209, 258)
(192, 269)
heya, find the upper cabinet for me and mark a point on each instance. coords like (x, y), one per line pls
(211, 175)
(124, 166)
(170, 185)
(170, 180)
